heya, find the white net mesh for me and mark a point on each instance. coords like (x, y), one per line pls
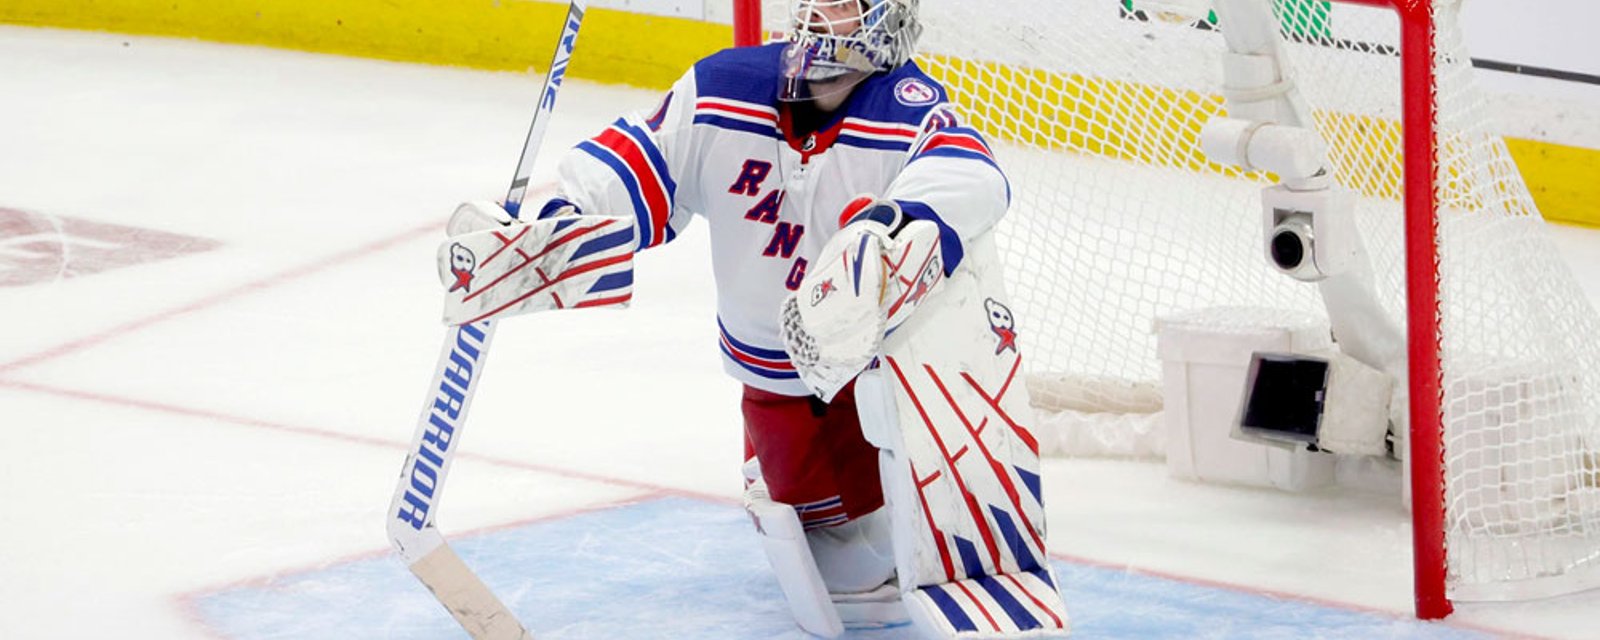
(1118, 218)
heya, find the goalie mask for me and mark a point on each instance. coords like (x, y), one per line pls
(834, 44)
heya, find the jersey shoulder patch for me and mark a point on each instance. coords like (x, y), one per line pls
(914, 92)
(903, 96)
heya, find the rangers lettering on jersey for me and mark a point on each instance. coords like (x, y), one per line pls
(722, 147)
(766, 210)
(447, 403)
(750, 178)
(785, 239)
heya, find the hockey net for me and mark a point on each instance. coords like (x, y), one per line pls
(1095, 107)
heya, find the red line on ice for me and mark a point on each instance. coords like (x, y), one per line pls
(254, 286)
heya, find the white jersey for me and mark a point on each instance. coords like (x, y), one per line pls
(720, 146)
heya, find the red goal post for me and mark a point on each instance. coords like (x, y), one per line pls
(1422, 301)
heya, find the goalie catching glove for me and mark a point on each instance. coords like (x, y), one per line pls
(494, 266)
(865, 283)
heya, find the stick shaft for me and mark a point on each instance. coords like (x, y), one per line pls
(547, 105)
(411, 518)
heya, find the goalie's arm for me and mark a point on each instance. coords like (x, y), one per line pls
(625, 179)
(951, 179)
(642, 165)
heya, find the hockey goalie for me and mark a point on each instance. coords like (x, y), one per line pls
(891, 473)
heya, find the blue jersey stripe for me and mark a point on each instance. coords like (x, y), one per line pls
(654, 122)
(764, 354)
(872, 143)
(629, 182)
(760, 371)
(735, 124)
(653, 153)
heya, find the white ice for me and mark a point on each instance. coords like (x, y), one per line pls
(182, 425)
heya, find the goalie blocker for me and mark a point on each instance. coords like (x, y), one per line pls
(942, 399)
(493, 266)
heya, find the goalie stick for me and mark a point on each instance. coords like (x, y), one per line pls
(411, 525)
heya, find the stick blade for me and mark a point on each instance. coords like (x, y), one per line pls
(466, 597)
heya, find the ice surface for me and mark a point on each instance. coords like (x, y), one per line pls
(229, 420)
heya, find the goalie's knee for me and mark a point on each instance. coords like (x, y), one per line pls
(818, 463)
(832, 577)
(856, 556)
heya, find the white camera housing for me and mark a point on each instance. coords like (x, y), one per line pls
(1294, 153)
(1310, 235)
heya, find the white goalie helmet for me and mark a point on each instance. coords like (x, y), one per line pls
(833, 44)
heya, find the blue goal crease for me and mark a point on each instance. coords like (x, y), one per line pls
(677, 567)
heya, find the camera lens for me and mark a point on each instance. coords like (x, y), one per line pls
(1288, 250)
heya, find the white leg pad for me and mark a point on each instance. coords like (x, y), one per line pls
(787, 549)
(960, 467)
(1013, 605)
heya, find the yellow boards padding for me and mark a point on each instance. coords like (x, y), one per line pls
(515, 35)
(1158, 126)
(1564, 180)
(651, 51)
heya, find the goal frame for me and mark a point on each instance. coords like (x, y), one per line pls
(1420, 169)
